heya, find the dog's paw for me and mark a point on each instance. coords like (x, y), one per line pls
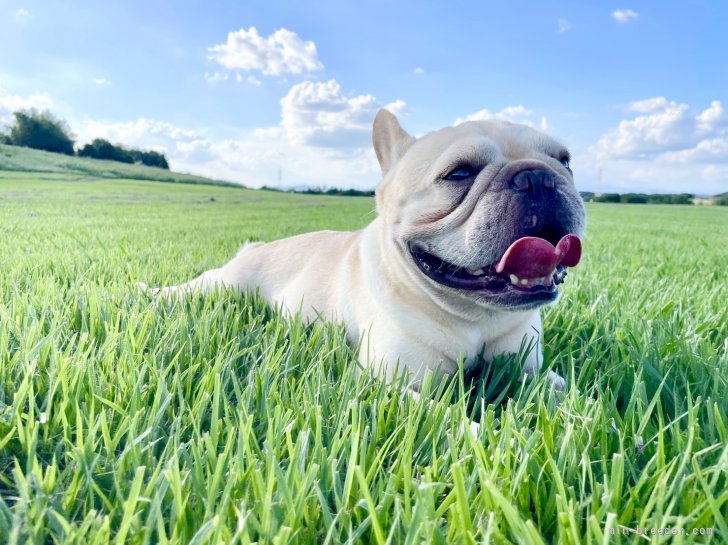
(557, 382)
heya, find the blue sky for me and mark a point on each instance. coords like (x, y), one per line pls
(243, 90)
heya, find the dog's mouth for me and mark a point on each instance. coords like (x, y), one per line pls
(530, 269)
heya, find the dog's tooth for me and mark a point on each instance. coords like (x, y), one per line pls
(476, 272)
(514, 279)
(524, 281)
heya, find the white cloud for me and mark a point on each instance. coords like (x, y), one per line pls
(648, 105)
(283, 52)
(22, 15)
(102, 82)
(714, 150)
(419, 70)
(665, 126)
(712, 118)
(564, 25)
(624, 15)
(214, 77)
(319, 114)
(10, 103)
(629, 175)
(667, 148)
(324, 138)
(398, 108)
(515, 114)
(146, 133)
(255, 157)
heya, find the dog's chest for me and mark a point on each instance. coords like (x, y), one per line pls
(483, 337)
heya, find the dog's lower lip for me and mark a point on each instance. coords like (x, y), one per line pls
(485, 279)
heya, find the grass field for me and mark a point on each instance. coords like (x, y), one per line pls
(216, 420)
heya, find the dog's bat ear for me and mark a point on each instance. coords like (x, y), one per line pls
(390, 140)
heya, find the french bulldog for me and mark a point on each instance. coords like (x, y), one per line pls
(476, 226)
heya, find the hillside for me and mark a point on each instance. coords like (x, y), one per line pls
(29, 160)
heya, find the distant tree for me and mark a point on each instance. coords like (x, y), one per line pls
(334, 191)
(41, 130)
(156, 159)
(103, 149)
(5, 139)
(89, 150)
(586, 195)
(607, 197)
(682, 198)
(150, 158)
(721, 199)
(635, 198)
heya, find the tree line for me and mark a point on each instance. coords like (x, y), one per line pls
(640, 198)
(43, 131)
(324, 191)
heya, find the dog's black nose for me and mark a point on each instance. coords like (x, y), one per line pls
(537, 183)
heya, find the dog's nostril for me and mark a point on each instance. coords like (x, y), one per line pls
(522, 182)
(532, 181)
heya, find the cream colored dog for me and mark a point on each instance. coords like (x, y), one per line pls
(476, 225)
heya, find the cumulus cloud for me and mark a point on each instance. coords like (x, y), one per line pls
(419, 70)
(323, 138)
(711, 119)
(144, 133)
(665, 126)
(280, 53)
(714, 150)
(319, 114)
(515, 114)
(564, 25)
(668, 147)
(624, 15)
(10, 103)
(648, 105)
(102, 82)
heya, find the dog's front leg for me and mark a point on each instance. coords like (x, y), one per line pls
(532, 367)
(526, 340)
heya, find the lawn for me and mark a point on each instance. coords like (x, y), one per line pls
(217, 420)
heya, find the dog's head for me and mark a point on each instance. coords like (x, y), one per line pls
(486, 210)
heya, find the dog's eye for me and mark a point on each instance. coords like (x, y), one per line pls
(565, 162)
(459, 174)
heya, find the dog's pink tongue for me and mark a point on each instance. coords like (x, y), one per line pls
(533, 257)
